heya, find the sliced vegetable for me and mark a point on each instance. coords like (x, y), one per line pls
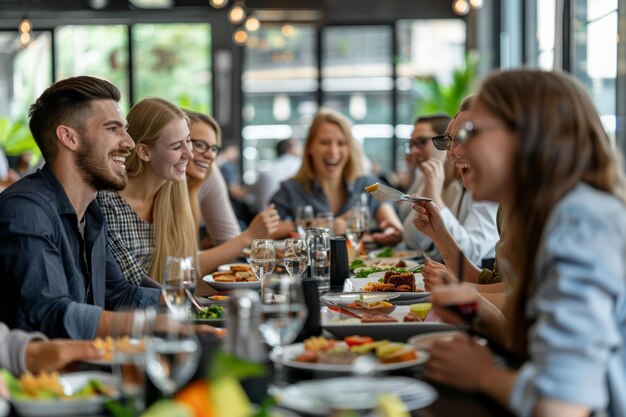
(357, 340)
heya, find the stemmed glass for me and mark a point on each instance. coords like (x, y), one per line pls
(356, 228)
(284, 312)
(178, 279)
(172, 353)
(262, 260)
(304, 218)
(295, 256)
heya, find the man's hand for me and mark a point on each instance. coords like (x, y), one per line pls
(428, 219)
(57, 354)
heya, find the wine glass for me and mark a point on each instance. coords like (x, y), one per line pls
(356, 227)
(262, 260)
(172, 353)
(304, 218)
(325, 220)
(284, 312)
(295, 256)
(178, 279)
(459, 298)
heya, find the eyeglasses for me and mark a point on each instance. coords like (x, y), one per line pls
(419, 142)
(200, 147)
(466, 131)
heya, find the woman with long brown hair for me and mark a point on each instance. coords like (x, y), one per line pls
(537, 146)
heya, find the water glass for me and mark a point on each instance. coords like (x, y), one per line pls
(262, 260)
(178, 277)
(172, 353)
(295, 257)
(325, 220)
(318, 245)
(356, 228)
(304, 218)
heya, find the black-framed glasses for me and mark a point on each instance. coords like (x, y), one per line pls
(418, 142)
(200, 147)
(442, 142)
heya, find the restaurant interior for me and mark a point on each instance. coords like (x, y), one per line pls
(264, 70)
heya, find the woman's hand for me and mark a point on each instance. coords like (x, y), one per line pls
(428, 219)
(460, 362)
(389, 236)
(434, 178)
(434, 274)
(264, 224)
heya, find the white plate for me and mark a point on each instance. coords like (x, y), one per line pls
(315, 397)
(345, 298)
(40, 408)
(224, 286)
(397, 253)
(4, 408)
(342, 326)
(291, 351)
(356, 284)
(226, 267)
(387, 263)
(423, 341)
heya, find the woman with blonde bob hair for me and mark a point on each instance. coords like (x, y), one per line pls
(536, 145)
(331, 178)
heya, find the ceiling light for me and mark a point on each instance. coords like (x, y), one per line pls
(25, 26)
(218, 4)
(287, 30)
(25, 38)
(240, 36)
(461, 7)
(252, 24)
(476, 4)
(236, 14)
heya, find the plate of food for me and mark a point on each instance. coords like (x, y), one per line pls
(361, 301)
(224, 281)
(424, 341)
(218, 299)
(214, 315)
(316, 396)
(389, 252)
(318, 353)
(51, 394)
(408, 285)
(399, 325)
(383, 263)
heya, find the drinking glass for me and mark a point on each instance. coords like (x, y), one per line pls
(355, 228)
(172, 353)
(295, 257)
(318, 246)
(130, 331)
(325, 220)
(178, 278)
(262, 260)
(283, 313)
(304, 218)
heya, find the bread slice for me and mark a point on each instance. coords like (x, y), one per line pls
(403, 355)
(225, 278)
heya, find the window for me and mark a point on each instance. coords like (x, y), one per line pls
(173, 61)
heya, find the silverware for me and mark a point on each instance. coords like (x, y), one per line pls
(383, 192)
(193, 300)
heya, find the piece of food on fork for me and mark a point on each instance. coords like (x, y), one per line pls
(383, 192)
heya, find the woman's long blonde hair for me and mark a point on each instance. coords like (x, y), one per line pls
(354, 167)
(561, 143)
(193, 184)
(174, 228)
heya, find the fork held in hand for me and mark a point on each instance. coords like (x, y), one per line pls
(383, 192)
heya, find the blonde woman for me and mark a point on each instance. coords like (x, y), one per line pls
(331, 179)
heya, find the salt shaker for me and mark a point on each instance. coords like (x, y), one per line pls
(243, 322)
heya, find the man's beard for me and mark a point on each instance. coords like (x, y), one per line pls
(95, 169)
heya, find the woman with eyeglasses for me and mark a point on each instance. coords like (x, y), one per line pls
(536, 145)
(152, 217)
(209, 198)
(470, 223)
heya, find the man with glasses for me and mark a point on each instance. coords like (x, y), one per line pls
(471, 224)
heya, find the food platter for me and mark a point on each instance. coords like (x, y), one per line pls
(291, 351)
(225, 286)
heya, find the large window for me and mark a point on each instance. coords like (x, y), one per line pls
(99, 51)
(594, 54)
(173, 61)
(280, 83)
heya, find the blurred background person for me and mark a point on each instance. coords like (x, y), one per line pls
(229, 164)
(331, 179)
(287, 163)
(471, 224)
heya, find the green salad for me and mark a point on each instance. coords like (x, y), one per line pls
(211, 312)
(387, 252)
